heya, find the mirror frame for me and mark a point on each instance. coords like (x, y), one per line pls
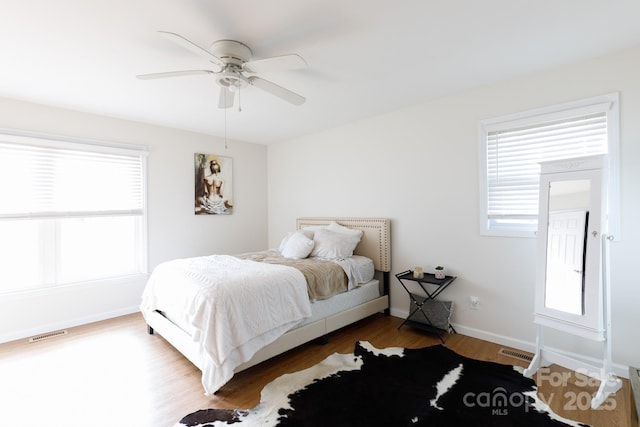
(591, 323)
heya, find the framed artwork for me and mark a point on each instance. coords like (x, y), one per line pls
(213, 184)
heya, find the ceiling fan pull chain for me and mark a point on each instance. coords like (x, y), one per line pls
(239, 101)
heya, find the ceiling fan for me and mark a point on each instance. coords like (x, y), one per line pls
(230, 62)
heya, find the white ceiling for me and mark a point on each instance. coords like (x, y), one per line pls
(365, 57)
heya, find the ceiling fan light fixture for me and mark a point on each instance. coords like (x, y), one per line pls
(231, 78)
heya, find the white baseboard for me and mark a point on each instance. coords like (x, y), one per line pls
(67, 323)
(528, 346)
(496, 338)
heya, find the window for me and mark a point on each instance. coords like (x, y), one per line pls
(71, 212)
(512, 148)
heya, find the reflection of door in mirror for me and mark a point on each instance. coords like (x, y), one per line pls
(566, 245)
(565, 261)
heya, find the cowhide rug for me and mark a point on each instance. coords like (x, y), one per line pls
(393, 387)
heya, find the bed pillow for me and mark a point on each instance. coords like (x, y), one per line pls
(310, 230)
(283, 242)
(297, 246)
(334, 226)
(333, 245)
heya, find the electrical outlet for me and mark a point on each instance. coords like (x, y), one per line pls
(474, 303)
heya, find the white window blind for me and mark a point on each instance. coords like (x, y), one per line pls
(514, 156)
(513, 148)
(72, 212)
(41, 181)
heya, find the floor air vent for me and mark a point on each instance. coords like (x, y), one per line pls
(48, 336)
(515, 354)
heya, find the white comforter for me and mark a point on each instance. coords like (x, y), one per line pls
(235, 307)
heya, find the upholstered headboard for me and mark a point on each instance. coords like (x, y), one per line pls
(376, 237)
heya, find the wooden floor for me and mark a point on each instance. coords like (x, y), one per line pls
(113, 374)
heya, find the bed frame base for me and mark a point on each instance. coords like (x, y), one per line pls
(318, 329)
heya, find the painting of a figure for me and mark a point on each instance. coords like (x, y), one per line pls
(213, 190)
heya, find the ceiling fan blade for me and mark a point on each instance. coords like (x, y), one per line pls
(226, 98)
(172, 74)
(276, 63)
(277, 90)
(189, 45)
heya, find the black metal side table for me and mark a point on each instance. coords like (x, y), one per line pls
(431, 287)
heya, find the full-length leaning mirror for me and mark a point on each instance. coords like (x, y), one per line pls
(570, 229)
(569, 202)
(571, 291)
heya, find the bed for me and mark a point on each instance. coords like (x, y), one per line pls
(314, 318)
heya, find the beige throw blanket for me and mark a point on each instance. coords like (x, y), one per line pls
(324, 278)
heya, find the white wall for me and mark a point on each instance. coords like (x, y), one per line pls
(173, 229)
(419, 167)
